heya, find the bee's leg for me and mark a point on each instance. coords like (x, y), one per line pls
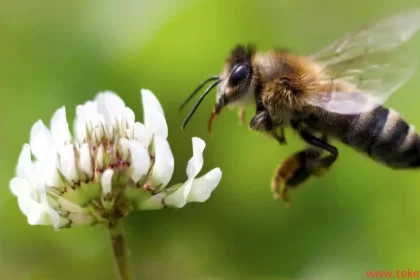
(261, 120)
(324, 163)
(241, 115)
(293, 172)
(280, 135)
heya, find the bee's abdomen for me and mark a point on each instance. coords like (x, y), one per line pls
(385, 137)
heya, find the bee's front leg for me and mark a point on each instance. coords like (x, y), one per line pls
(261, 122)
(280, 135)
(241, 115)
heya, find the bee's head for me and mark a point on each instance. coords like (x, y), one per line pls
(235, 86)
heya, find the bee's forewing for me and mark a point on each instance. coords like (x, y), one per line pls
(374, 59)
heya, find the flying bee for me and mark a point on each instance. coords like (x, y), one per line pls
(337, 93)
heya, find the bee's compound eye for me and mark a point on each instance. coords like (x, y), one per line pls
(239, 73)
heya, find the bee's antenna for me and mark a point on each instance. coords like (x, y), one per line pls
(212, 78)
(199, 102)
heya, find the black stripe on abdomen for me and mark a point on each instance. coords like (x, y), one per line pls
(386, 137)
(407, 141)
(389, 140)
(366, 128)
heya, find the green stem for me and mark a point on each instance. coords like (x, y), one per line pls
(120, 250)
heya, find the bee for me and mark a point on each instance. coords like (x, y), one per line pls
(336, 93)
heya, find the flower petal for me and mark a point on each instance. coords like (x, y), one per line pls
(124, 151)
(153, 203)
(20, 187)
(68, 163)
(177, 198)
(164, 162)
(100, 158)
(196, 162)
(53, 215)
(85, 160)
(111, 106)
(150, 102)
(40, 139)
(202, 187)
(60, 128)
(48, 168)
(140, 160)
(37, 213)
(80, 129)
(106, 181)
(154, 117)
(142, 134)
(98, 129)
(24, 167)
(156, 124)
(87, 117)
(129, 118)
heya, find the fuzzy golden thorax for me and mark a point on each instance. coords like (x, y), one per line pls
(287, 81)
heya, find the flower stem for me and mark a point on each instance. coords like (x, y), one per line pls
(121, 253)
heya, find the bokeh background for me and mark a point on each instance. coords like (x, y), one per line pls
(359, 217)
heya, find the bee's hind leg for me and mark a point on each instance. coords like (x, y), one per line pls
(300, 166)
(293, 172)
(322, 164)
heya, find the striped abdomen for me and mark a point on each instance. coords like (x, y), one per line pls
(384, 136)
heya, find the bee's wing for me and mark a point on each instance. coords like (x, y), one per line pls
(373, 60)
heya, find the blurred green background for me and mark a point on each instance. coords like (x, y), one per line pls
(361, 216)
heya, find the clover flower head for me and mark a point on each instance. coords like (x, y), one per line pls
(111, 166)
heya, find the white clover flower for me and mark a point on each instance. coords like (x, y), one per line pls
(112, 166)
